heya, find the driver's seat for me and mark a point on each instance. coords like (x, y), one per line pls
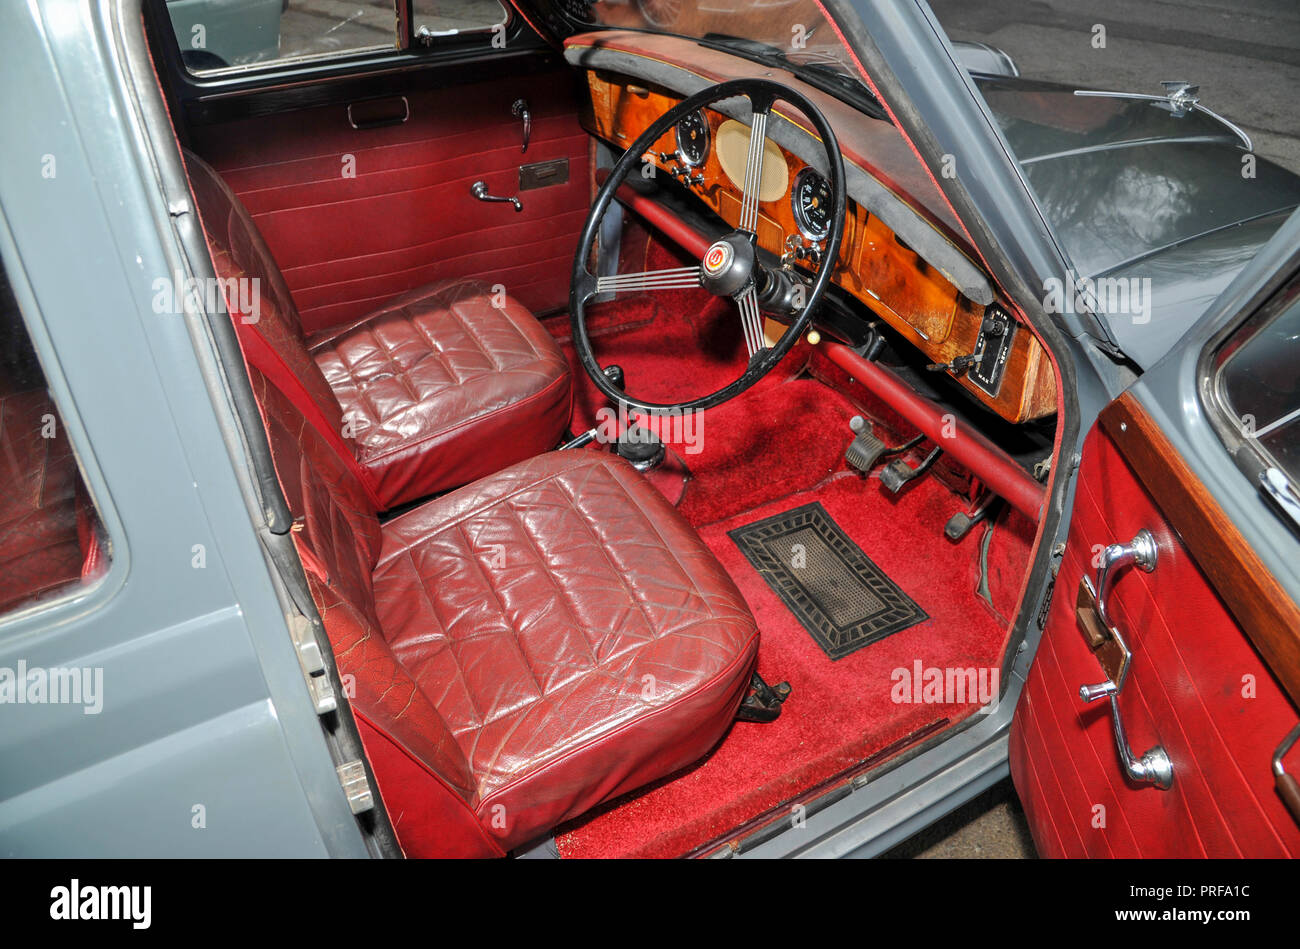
(437, 388)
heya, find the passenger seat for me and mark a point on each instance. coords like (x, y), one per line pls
(440, 386)
(522, 649)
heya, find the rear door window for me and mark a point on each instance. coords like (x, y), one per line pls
(51, 540)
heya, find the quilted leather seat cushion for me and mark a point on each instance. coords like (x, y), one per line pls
(445, 384)
(574, 633)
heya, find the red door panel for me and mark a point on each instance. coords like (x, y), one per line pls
(1186, 690)
(348, 243)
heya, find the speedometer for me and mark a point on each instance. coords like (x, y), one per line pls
(693, 140)
(811, 200)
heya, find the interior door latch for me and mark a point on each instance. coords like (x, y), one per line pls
(519, 109)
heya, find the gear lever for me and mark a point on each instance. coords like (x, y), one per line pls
(636, 443)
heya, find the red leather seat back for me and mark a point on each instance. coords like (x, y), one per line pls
(338, 538)
(239, 253)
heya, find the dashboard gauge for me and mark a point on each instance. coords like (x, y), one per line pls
(693, 140)
(811, 200)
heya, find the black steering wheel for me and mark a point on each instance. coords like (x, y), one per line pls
(731, 266)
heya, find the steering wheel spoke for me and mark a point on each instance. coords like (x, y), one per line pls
(675, 278)
(754, 170)
(751, 321)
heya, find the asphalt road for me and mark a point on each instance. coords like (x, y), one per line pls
(992, 826)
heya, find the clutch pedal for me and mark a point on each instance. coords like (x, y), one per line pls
(866, 450)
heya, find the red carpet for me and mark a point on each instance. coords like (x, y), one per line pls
(839, 712)
(778, 446)
(683, 344)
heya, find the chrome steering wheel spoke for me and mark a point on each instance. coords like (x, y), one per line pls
(675, 278)
(751, 321)
(754, 169)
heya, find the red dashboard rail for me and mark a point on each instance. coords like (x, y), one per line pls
(685, 236)
(990, 463)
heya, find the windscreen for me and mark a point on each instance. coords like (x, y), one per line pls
(791, 30)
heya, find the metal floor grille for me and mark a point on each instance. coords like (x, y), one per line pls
(843, 599)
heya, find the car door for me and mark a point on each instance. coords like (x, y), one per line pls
(1199, 589)
(360, 173)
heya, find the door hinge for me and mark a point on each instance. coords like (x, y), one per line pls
(356, 785)
(312, 662)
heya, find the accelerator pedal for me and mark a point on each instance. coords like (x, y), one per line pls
(961, 523)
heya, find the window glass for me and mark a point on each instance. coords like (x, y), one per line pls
(51, 539)
(218, 34)
(222, 34)
(1259, 384)
(431, 19)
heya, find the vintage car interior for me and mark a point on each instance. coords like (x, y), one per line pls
(645, 416)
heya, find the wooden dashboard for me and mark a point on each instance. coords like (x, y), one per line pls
(874, 266)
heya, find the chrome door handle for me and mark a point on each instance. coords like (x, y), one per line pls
(479, 190)
(1287, 785)
(1154, 767)
(519, 109)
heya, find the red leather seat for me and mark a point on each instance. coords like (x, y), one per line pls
(439, 387)
(521, 649)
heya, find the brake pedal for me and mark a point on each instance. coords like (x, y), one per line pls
(895, 475)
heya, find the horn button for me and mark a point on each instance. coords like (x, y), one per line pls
(728, 265)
